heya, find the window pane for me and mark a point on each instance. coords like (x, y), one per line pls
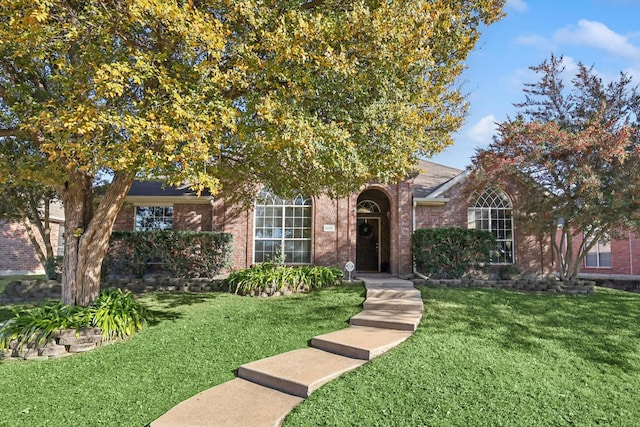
(492, 212)
(150, 218)
(286, 223)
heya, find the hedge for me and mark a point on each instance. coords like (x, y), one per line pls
(182, 254)
(449, 253)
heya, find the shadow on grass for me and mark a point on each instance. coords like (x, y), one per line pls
(177, 299)
(160, 304)
(601, 328)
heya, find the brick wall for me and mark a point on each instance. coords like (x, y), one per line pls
(334, 229)
(17, 255)
(625, 255)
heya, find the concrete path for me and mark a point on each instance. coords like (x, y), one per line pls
(265, 391)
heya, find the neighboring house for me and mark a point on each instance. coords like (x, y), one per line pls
(372, 228)
(17, 255)
(619, 256)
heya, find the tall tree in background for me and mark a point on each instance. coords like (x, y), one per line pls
(575, 156)
(307, 95)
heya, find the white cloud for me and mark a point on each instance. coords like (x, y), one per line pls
(598, 35)
(483, 130)
(518, 5)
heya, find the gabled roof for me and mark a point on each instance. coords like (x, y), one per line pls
(433, 177)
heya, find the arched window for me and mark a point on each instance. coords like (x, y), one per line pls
(367, 206)
(282, 225)
(492, 212)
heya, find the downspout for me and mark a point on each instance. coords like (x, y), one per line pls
(413, 229)
(630, 255)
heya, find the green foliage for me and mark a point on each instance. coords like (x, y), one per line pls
(225, 94)
(181, 253)
(452, 252)
(118, 314)
(572, 155)
(270, 277)
(37, 325)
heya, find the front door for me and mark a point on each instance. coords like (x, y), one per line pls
(368, 245)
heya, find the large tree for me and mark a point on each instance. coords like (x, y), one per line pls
(307, 95)
(575, 158)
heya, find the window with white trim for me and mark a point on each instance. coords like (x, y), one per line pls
(599, 256)
(151, 218)
(492, 212)
(282, 225)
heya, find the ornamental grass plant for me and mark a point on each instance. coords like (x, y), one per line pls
(270, 277)
(118, 314)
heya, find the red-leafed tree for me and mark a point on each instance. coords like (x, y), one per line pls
(574, 156)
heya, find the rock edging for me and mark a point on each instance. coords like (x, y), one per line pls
(63, 343)
(527, 285)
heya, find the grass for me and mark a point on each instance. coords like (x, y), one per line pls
(198, 342)
(480, 357)
(494, 357)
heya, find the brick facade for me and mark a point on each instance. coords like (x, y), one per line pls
(625, 256)
(17, 255)
(434, 198)
(334, 233)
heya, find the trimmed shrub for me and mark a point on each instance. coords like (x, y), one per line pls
(182, 254)
(268, 277)
(452, 252)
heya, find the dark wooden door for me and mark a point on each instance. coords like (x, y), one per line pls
(368, 244)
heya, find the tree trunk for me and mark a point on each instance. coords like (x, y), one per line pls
(87, 234)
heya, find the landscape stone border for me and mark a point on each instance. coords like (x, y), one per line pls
(36, 290)
(527, 285)
(65, 342)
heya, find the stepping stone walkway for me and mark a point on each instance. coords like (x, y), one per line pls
(265, 391)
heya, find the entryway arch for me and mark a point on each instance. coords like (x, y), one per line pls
(373, 252)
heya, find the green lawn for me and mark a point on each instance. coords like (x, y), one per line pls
(480, 357)
(491, 358)
(198, 343)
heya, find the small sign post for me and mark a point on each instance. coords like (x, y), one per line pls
(349, 266)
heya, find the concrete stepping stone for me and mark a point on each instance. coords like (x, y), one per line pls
(401, 320)
(388, 283)
(360, 342)
(394, 304)
(298, 372)
(391, 293)
(232, 404)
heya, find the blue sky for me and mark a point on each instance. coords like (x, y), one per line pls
(604, 34)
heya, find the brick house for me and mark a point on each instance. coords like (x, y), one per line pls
(17, 255)
(372, 228)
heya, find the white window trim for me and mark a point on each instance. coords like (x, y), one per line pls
(471, 223)
(596, 249)
(282, 238)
